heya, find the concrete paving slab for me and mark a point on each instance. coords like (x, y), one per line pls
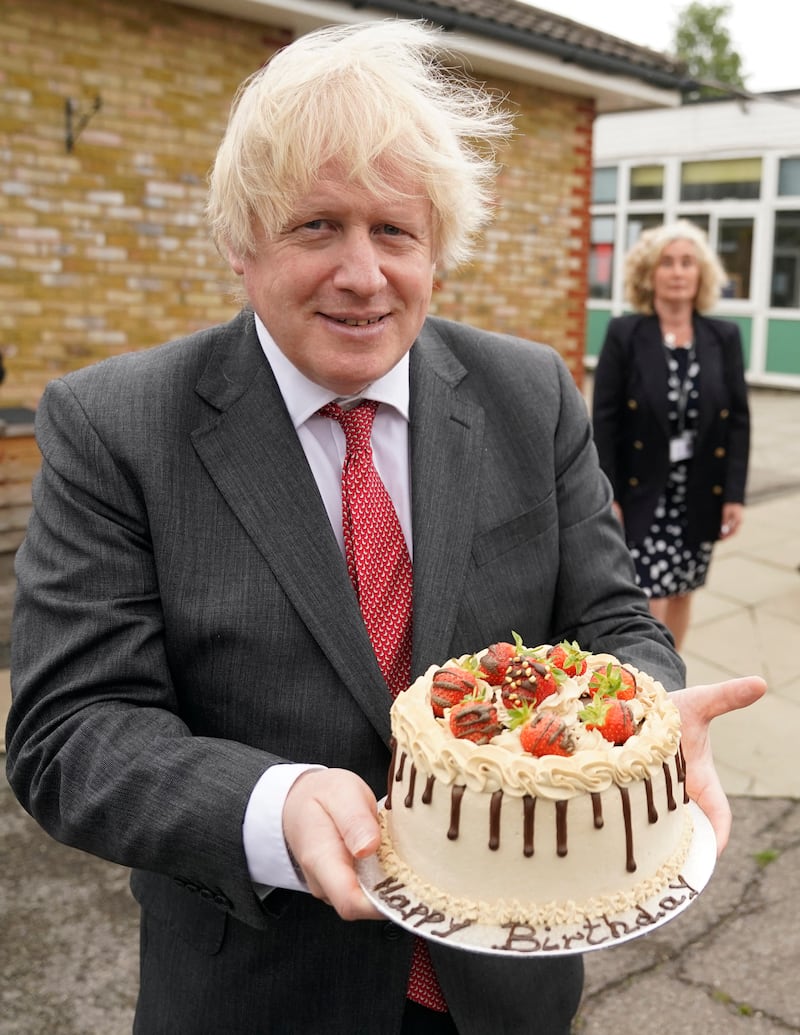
(749, 581)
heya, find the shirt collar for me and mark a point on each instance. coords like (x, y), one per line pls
(303, 397)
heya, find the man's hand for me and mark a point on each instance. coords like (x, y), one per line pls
(698, 705)
(329, 820)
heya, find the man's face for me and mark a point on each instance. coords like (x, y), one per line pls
(345, 287)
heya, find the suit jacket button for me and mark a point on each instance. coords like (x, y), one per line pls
(717, 490)
(632, 404)
(724, 414)
(633, 482)
(638, 444)
(392, 932)
(719, 452)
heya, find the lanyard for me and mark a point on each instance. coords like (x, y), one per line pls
(680, 386)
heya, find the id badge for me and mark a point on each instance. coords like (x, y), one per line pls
(681, 447)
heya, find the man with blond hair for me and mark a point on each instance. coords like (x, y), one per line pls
(196, 691)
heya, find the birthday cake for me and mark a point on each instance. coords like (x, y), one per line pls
(535, 785)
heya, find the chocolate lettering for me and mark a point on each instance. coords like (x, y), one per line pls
(645, 919)
(519, 938)
(617, 928)
(680, 883)
(453, 928)
(427, 916)
(594, 932)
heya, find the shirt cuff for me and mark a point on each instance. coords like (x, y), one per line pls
(265, 849)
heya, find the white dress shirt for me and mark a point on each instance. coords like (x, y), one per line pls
(323, 442)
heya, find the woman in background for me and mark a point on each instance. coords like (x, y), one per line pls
(671, 418)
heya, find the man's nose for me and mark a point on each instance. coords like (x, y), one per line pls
(358, 267)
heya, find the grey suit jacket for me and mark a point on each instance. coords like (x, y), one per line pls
(184, 619)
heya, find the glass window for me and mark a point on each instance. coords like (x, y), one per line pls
(701, 219)
(717, 181)
(601, 256)
(735, 249)
(604, 185)
(647, 183)
(789, 176)
(638, 223)
(785, 286)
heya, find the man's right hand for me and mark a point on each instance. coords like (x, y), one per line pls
(329, 821)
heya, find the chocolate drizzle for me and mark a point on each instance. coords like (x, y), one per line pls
(390, 780)
(630, 862)
(412, 782)
(528, 811)
(671, 803)
(561, 828)
(455, 810)
(652, 811)
(597, 810)
(680, 768)
(396, 769)
(494, 820)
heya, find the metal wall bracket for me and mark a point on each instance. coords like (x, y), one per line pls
(75, 120)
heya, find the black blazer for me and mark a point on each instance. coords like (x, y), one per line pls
(631, 425)
(184, 619)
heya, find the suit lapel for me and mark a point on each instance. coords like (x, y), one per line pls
(652, 363)
(251, 451)
(712, 375)
(446, 437)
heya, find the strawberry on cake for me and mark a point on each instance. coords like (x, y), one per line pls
(536, 785)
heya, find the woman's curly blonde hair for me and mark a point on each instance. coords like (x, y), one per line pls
(642, 259)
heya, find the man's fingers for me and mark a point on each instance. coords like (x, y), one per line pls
(330, 818)
(708, 701)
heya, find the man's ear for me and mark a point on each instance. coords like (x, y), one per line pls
(236, 263)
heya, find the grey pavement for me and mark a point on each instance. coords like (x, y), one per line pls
(725, 966)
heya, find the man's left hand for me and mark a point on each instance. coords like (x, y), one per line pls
(698, 705)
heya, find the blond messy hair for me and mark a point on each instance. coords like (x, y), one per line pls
(376, 98)
(642, 259)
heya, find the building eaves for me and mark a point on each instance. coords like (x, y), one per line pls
(534, 29)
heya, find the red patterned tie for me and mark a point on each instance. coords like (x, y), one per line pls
(380, 570)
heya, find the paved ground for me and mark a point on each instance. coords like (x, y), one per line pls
(726, 966)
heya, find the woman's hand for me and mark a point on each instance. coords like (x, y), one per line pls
(732, 517)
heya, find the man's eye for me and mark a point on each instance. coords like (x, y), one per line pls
(391, 230)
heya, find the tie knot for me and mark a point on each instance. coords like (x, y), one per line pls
(356, 423)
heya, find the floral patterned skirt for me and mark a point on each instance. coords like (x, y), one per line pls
(665, 565)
